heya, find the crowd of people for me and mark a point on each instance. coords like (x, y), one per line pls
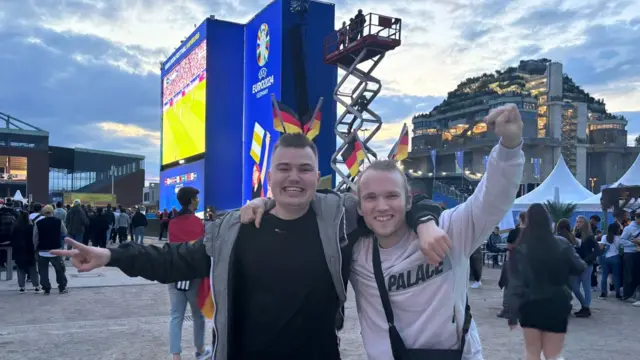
(33, 230)
(192, 65)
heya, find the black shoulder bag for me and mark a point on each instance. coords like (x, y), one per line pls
(398, 348)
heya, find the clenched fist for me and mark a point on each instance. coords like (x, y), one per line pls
(506, 122)
(434, 242)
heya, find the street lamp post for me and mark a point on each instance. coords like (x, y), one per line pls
(112, 172)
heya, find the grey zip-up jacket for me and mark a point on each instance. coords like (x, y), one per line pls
(337, 216)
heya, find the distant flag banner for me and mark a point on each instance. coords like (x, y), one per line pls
(353, 155)
(285, 120)
(536, 167)
(433, 158)
(205, 297)
(400, 150)
(256, 143)
(180, 179)
(459, 161)
(485, 161)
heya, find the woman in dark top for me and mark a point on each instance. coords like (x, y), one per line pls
(588, 249)
(539, 272)
(24, 252)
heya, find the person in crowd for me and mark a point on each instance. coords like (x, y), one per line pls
(622, 218)
(77, 222)
(111, 219)
(630, 240)
(476, 263)
(539, 299)
(493, 245)
(122, 225)
(100, 228)
(36, 212)
(304, 239)
(360, 21)
(184, 228)
(611, 259)
(503, 282)
(594, 222)
(139, 224)
(47, 233)
(343, 35)
(22, 242)
(91, 214)
(164, 223)
(588, 249)
(7, 222)
(60, 212)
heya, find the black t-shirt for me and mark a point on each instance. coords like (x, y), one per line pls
(284, 302)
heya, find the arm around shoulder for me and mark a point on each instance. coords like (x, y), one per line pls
(167, 264)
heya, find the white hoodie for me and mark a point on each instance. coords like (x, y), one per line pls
(425, 299)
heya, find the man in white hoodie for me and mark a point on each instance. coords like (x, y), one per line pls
(427, 298)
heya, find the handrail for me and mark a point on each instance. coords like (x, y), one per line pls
(375, 24)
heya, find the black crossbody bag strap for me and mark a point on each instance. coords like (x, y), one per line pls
(398, 348)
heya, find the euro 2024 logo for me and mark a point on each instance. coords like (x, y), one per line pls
(263, 45)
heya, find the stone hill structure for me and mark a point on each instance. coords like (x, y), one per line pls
(559, 118)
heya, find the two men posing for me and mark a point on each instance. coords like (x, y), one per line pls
(279, 284)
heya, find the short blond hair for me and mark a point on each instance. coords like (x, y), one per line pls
(47, 210)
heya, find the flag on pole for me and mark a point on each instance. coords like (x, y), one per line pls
(256, 143)
(459, 161)
(285, 120)
(312, 128)
(400, 150)
(353, 155)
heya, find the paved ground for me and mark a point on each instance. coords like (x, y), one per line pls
(131, 322)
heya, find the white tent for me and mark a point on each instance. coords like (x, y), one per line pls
(560, 185)
(631, 177)
(18, 196)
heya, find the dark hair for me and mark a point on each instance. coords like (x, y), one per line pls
(37, 207)
(637, 216)
(612, 231)
(563, 228)
(595, 217)
(186, 195)
(539, 240)
(295, 141)
(22, 219)
(99, 211)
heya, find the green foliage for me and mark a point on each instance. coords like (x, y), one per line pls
(559, 210)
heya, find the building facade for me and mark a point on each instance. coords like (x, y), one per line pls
(559, 117)
(45, 173)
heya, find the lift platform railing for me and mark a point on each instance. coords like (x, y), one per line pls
(380, 26)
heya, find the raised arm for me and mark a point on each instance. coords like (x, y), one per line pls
(469, 224)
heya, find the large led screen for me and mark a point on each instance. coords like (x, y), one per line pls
(263, 67)
(184, 103)
(172, 180)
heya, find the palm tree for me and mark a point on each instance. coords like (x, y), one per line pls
(559, 210)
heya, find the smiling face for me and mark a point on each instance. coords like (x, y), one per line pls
(293, 177)
(383, 202)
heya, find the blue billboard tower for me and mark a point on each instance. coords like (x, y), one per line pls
(277, 52)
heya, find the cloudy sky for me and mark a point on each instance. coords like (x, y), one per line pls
(86, 70)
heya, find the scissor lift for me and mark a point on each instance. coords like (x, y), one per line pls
(358, 50)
